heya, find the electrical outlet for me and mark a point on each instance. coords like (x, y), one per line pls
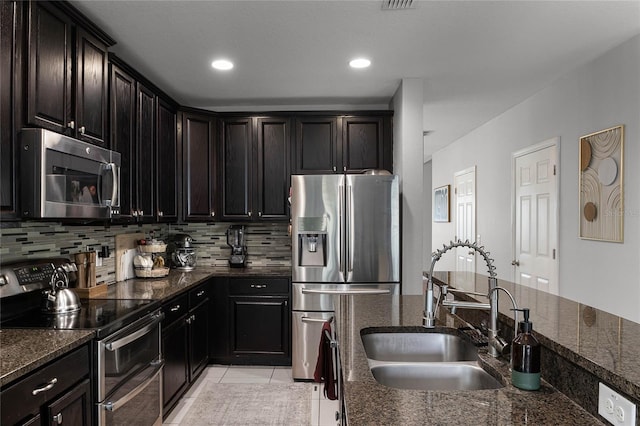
(615, 408)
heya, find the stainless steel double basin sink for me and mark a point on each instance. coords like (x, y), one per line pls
(425, 360)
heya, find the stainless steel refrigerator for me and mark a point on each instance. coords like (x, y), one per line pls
(345, 242)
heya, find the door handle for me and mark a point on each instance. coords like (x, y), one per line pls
(515, 263)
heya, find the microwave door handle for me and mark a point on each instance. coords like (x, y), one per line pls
(113, 406)
(115, 190)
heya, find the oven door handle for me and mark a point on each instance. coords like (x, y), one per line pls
(115, 345)
(114, 406)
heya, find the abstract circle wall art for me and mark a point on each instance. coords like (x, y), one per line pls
(601, 185)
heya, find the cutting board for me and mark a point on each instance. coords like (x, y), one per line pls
(126, 249)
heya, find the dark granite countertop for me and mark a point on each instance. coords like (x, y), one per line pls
(601, 343)
(22, 350)
(368, 402)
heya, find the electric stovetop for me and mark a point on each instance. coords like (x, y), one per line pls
(102, 315)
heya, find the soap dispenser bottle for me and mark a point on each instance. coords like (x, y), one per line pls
(525, 356)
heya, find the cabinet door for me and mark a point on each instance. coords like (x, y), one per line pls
(199, 339)
(49, 102)
(167, 164)
(123, 113)
(260, 328)
(145, 154)
(199, 167)
(11, 75)
(362, 143)
(175, 374)
(237, 168)
(72, 408)
(316, 145)
(91, 89)
(273, 169)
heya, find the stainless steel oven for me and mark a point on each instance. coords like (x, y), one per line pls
(129, 364)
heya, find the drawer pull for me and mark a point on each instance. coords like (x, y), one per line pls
(258, 286)
(58, 418)
(175, 308)
(45, 388)
(200, 293)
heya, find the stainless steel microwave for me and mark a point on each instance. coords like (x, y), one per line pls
(64, 178)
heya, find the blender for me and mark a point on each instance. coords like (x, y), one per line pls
(235, 240)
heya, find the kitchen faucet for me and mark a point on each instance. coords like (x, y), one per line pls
(497, 345)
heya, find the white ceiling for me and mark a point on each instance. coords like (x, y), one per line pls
(476, 58)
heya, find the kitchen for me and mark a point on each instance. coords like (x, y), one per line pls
(273, 239)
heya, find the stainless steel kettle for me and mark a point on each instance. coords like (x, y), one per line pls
(59, 299)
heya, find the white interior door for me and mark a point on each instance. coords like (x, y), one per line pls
(536, 217)
(464, 183)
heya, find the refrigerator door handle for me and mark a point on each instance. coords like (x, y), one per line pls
(347, 292)
(340, 225)
(348, 240)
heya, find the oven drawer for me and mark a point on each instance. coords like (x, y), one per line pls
(175, 308)
(258, 286)
(18, 400)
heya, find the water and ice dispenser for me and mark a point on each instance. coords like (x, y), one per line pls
(312, 241)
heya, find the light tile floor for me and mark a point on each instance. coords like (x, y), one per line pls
(322, 410)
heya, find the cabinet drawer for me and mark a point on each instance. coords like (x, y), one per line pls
(174, 309)
(258, 286)
(198, 295)
(18, 401)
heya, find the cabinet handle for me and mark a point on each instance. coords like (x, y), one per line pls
(140, 213)
(82, 129)
(45, 388)
(71, 124)
(258, 286)
(334, 168)
(175, 308)
(58, 418)
(160, 213)
(259, 214)
(193, 317)
(200, 293)
(134, 213)
(188, 320)
(213, 214)
(344, 169)
(249, 214)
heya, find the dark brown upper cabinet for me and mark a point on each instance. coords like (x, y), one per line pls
(316, 145)
(11, 81)
(274, 174)
(366, 143)
(67, 73)
(145, 148)
(167, 161)
(255, 168)
(343, 144)
(133, 111)
(199, 194)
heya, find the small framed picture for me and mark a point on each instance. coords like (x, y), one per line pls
(441, 204)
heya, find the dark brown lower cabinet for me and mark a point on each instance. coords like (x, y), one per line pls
(252, 318)
(185, 343)
(58, 393)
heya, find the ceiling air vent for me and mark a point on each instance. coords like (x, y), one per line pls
(396, 4)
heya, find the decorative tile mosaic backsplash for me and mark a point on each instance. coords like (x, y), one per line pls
(268, 244)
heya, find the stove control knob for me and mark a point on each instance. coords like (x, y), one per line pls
(3, 280)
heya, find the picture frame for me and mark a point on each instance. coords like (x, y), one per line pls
(601, 215)
(441, 204)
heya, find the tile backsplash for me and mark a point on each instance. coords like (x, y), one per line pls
(268, 244)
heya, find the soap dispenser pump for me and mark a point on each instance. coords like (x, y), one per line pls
(525, 356)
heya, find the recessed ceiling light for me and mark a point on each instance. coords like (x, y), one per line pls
(359, 63)
(222, 64)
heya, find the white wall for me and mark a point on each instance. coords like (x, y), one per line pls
(408, 155)
(603, 93)
(427, 215)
